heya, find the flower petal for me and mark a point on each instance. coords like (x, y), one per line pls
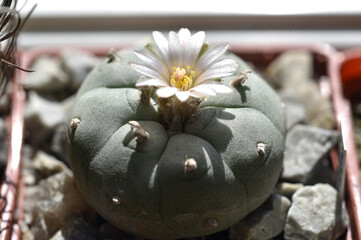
(174, 49)
(166, 92)
(146, 71)
(217, 87)
(162, 44)
(153, 62)
(151, 82)
(182, 95)
(193, 47)
(202, 91)
(221, 88)
(210, 55)
(223, 68)
(184, 36)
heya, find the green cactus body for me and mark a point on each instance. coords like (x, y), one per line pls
(237, 143)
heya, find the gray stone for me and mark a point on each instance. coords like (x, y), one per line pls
(28, 173)
(77, 64)
(46, 165)
(314, 215)
(48, 76)
(26, 234)
(265, 222)
(41, 118)
(57, 146)
(51, 202)
(75, 228)
(318, 109)
(58, 236)
(68, 103)
(292, 74)
(35, 168)
(287, 189)
(57, 142)
(306, 148)
(322, 173)
(289, 65)
(295, 114)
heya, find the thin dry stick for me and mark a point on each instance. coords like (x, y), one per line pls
(10, 27)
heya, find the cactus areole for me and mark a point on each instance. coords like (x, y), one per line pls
(175, 139)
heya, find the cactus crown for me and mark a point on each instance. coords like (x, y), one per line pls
(184, 70)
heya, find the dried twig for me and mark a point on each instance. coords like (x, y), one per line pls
(10, 27)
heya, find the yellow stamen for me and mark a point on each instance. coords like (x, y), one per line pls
(179, 73)
(180, 79)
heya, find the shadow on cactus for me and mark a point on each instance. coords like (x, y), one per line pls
(176, 138)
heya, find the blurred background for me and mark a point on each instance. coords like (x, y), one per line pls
(111, 22)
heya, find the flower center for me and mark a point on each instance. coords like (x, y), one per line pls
(182, 78)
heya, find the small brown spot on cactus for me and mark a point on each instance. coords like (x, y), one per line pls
(190, 165)
(261, 148)
(116, 200)
(211, 223)
(240, 78)
(113, 56)
(139, 132)
(147, 45)
(74, 123)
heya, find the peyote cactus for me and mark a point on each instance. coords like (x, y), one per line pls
(180, 161)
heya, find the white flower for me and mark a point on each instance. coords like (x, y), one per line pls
(180, 66)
